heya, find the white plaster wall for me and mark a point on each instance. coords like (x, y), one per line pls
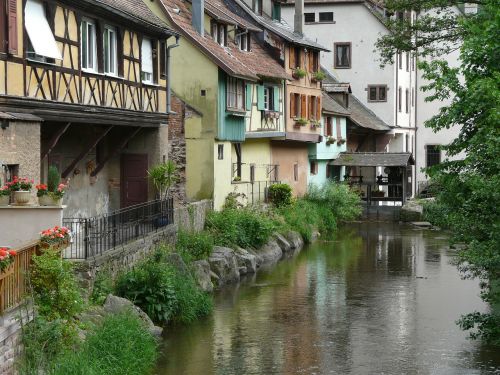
(356, 24)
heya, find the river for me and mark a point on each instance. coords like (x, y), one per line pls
(381, 298)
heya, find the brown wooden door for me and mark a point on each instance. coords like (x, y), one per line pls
(134, 179)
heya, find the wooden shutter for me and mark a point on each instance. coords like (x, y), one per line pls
(292, 63)
(260, 98)
(276, 97)
(339, 128)
(100, 45)
(310, 113)
(329, 126)
(318, 108)
(248, 97)
(12, 37)
(303, 107)
(163, 58)
(293, 110)
(311, 61)
(3, 29)
(119, 50)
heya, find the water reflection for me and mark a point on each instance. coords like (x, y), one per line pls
(380, 299)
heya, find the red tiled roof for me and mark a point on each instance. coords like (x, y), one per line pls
(249, 65)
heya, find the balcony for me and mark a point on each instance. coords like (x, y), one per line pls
(270, 126)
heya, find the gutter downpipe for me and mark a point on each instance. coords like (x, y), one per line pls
(168, 68)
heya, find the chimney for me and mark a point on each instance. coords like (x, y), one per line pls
(198, 15)
(299, 17)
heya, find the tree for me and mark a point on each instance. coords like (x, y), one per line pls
(469, 194)
(164, 177)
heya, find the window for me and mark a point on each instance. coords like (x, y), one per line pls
(42, 42)
(295, 105)
(295, 172)
(313, 167)
(407, 101)
(342, 55)
(329, 127)
(407, 55)
(313, 61)
(252, 172)
(257, 6)
(235, 94)
(400, 60)
(399, 99)
(433, 155)
(243, 42)
(269, 98)
(309, 17)
(314, 108)
(220, 152)
(89, 48)
(147, 61)
(219, 33)
(109, 42)
(377, 93)
(295, 58)
(237, 150)
(326, 17)
(276, 11)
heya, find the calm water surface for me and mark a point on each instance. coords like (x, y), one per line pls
(379, 299)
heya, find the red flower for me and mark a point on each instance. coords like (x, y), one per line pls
(3, 253)
(13, 252)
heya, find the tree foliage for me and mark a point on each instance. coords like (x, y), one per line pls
(469, 199)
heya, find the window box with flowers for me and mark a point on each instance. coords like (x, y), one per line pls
(299, 73)
(6, 262)
(50, 198)
(299, 122)
(4, 195)
(340, 141)
(318, 76)
(330, 140)
(56, 238)
(315, 124)
(22, 190)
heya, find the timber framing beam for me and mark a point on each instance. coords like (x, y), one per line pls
(55, 138)
(114, 151)
(85, 151)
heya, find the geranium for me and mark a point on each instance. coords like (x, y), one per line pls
(55, 236)
(59, 193)
(41, 190)
(4, 190)
(6, 257)
(20, 184)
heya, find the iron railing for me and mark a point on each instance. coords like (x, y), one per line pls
(95, 235)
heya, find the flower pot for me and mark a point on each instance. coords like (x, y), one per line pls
(59, 246)
(4, 200)
(22, 198)
(47, 200)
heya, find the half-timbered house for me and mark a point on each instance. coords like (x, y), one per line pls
(83, 86)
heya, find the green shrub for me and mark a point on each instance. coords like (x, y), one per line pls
(246, 227)
(103, 285)
(162, 291)
(55, 290)
(302, 217)
(149, 285)
(339, 197)
(120, 345)
(194, 245)
(280, 195)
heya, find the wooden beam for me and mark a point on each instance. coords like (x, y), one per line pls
(113, 152)
(85, 151)
(55, 139)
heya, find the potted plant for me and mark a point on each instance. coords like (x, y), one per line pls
(299, 73)
(315, 124)
(378, 193)
(42, 193)
(236, 179)
(6, 262)
(340, 141)
(330, 140)
(318, 76)
(55, 189)
(56, 238)
(163, 177)
(22, 190)
(4, 195)
(301, 122)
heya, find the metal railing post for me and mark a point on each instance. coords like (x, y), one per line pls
(86, 238)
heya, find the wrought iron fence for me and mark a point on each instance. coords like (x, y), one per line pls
(257, 191)
(96, 235)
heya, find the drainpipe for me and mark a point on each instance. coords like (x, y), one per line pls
(169, 89)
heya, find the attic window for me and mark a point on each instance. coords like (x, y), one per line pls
(39, 32)
(219, 33)
(243, 42)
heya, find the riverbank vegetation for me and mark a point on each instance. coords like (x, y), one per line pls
(53, 342)
(468, 199)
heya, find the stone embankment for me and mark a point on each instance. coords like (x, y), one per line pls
(227, 265)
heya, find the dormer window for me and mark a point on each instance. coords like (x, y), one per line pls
(243, 42)
(219, 33)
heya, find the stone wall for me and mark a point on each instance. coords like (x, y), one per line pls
(10, 340)
(177, 146)
(192, 216)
